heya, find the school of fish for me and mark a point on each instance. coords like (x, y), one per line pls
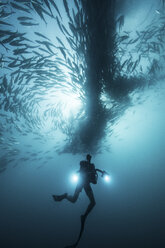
(35, 67)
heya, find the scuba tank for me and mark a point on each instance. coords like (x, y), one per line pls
(89, 172)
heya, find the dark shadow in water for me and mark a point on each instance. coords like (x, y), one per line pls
(103, 75)
(93, 129)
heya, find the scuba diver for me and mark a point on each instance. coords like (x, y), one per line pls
(88, 174)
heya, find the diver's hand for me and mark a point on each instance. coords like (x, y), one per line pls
(103, 173)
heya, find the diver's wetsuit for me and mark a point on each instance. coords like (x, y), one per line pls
(87, 175)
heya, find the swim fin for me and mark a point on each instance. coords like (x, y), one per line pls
(59, 197)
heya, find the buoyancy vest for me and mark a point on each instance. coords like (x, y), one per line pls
(88, 172)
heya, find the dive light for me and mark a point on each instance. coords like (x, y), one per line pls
(74, 177)
(106, 177)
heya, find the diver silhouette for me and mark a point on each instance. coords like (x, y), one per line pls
(88, 174)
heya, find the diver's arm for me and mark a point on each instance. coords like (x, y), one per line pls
(101, 171)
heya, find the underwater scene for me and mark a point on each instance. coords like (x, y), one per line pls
(82, 123)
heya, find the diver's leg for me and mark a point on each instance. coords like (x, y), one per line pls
(73, 198)
(90, 195)
(70, 198)
(92, 203)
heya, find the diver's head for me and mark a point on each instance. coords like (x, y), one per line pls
(88, 157)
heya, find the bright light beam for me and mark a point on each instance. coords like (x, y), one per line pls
(74, 178)
(106, 178)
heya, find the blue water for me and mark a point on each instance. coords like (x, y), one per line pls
(129, 211)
